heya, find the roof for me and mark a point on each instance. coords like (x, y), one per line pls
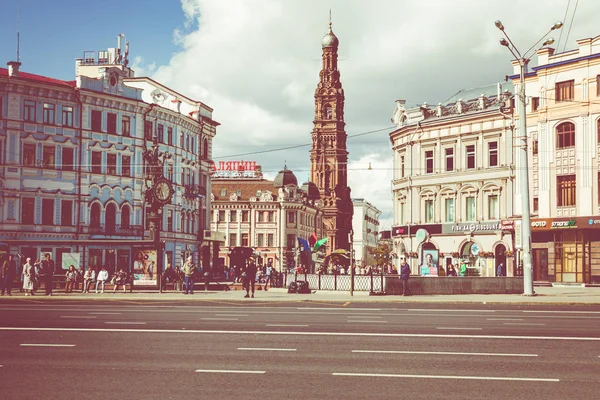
(473, 93)
(248, 188)
(38, 78)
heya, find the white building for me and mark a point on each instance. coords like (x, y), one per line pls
(365, 227)
(453, 182)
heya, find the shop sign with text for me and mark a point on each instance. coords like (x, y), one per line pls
(474, 227)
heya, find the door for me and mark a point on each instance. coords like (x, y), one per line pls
(540, 264)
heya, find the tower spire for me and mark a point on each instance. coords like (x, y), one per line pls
(18, 32)
(330, 20)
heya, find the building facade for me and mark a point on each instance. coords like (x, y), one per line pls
(72, 170)
(268, 216)
(563, 128)
(453, 183)
(365, 227)
(328, 156)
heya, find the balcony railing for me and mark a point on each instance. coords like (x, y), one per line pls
(194, 191)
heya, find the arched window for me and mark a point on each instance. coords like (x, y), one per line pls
(125, 215)
(95, 215)
(111, 218)
(190, 222)
(565, 135)
(205, 149)
(183, 226)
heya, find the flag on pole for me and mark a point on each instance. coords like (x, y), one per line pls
(304, 244)
(320, 243)
(312, 239)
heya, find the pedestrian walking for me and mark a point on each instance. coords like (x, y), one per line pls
(500, 270)
(405, 276)
(8, 272)
(250, 278)
(189, 270)
(28, 277)
(48, 273)
(268, 274)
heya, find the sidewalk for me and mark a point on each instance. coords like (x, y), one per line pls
(544, 295)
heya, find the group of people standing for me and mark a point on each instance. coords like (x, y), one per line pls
(32, 275)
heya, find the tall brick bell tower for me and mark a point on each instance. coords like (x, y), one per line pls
(328, 156)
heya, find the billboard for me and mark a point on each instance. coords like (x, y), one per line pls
(145, 267)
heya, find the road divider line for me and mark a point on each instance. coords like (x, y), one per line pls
(45, 345)
(228, 371)
(219, 319)
(301, 333)
(232, 315)
(363, 321)
(77, 316)
(453, 353)
(479, 378)
(505, 319)
(287, 325)
(105, 313)
(262, 349)
(362, 316)
(125, 323)
(338, 309)
(523, 324)
(451, 309)
(458, 328)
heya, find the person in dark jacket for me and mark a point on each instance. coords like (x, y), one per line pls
(250, 278)
(8, 271)
(405, 276)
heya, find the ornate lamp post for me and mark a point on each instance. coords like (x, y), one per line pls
(159, 191)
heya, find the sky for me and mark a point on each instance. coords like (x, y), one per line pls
(257, 62)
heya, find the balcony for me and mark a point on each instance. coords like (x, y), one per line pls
(194, 191)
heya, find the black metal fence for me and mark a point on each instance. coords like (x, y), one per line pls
(362, 283)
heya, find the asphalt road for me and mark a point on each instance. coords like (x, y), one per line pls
(55, 350)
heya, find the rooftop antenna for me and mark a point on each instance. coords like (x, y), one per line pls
(18, 32)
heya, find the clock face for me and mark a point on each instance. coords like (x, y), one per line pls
(162, 191)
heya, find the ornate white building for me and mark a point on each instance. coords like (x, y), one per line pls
(453, 182)
(365, 227)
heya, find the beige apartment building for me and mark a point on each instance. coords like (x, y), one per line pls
(563, 127)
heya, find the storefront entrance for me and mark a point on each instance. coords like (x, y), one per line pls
(500, 258)
(572, 257)
(540, 264)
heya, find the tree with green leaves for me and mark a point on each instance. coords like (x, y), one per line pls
(382, 253)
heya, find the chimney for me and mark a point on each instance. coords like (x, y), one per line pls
(13, 68)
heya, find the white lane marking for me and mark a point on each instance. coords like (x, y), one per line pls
(45, 345)
(453, 353)
(560, 312)
(226, 371)
(339, 309)
(365, 321)
(105, 313)
(453, 310)
(219, 319)
(232, 315)
(290, 325)
(458, 328)
(480, 378)
(125, 323)
(77, 316)
(300, 333)
(504, 319)
(263, 349)
(362, 316)
(522, 324)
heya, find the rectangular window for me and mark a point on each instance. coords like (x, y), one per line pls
(449, 159)
(233, 216)
(493, 154)
(271, 216)
(566, 191)
(27, 210)
(170, 222)
(449, 208)
(29, 111)
(535, 103)
(245, 240)
(270, 240)
(126, 166)
(97, 121)
(428, 211)
(111, 164)
(111, 123)
(221, 217)
(96, 162)
(126, 125)
(259, 216)
(169, 136)
(290, 242)
(48, 156)
(68, 154)
(1, 108)
(470, 208)
(161, 133)
(67, 116)
(66, 213)
(470, 156)
(429, 162)
(493, 211)
(291, 217)
(232, 239)
(148, 130)
(48, 212)
(260, 241)
(565, 91)
(597, 85)
(402, 166)
(402, 212)
(534, 147)
(245, 216)
(181, 141)
(536, 204)
(29, 156)
(49, 113)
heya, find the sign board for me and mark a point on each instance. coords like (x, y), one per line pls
(234, 169)
(475, 249)
(69, 259)
(421, 235)
(474, 227)
(145, 268)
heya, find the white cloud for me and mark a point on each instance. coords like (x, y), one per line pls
(257, 62)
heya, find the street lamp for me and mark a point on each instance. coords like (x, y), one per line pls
(523, 61)
(350, 237)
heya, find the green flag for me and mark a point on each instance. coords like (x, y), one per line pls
(320, 243)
